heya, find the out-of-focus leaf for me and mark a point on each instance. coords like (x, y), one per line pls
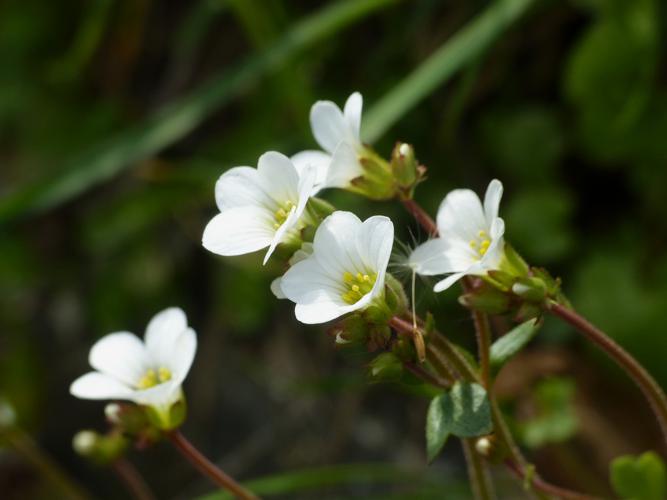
(639, 478)
(335, 475)
(556, 420)
(538, 224)
(179, 118)
(611, 74)
(462, 49)
(512, 342)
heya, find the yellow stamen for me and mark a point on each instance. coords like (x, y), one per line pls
(152, 378)
(282, 213)
(357, 286)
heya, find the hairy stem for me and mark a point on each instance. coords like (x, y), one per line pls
(208, 468)
(420, 215)
(133, 480)
(650, 388)
(478, 472)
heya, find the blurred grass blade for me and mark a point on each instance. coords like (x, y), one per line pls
(176, 120)
(462, 49)
(334, 475)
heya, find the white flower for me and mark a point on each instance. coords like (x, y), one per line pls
(338, 134)
(346, 270)
(470, 241)
(302, 253)
(259, 207)
(148, 372)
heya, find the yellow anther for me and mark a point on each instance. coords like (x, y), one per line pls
(355, 288)
(481, 233)
(473, 243)
(366, 278)
(148, 380)
(359, 277)
(485, 244)
(164, 374)
(347, 277)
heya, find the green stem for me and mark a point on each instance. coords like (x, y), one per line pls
(208, 468)
(478, 472)
(483, 332)
(24, 445)
(648, 385)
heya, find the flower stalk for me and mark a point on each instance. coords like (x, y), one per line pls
(650, 388)
(132, 479)
(478, 472)
(208, 468)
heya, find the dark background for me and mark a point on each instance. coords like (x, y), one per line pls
(103, 201)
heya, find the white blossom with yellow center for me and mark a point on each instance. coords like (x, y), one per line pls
(338, 132)
(260, 207)
(346, 270)
(470, 240)
(148, 372)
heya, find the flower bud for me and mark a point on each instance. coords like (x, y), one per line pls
(395, 296)
(377, 180)
(406, 169)
(530, 289)
(489, 448)
(101, 449)
(7, 415)
(85, 442)
(486, 299)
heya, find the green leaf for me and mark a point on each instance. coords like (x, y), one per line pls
(639, 478)
(179, 118)
(463, 411)
(462, 49)
(512, 342)
(436, 430)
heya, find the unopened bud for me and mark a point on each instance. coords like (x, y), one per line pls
(7, 415)
(386, 366)
(484, 446)
(113, 413)
(85, 442)
(405, 168)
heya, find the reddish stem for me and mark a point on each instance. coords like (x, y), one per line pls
(548, 488)
(650, 388)
(208, 468)
(133, 480)
(420, 215)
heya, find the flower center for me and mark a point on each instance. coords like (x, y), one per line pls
(480, 244)
(357, 286)
(154, 377)
(281, 214)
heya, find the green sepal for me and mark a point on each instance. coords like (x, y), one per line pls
(377, 181)
(395, 296)
(386, 367)
(531, 289)
(513, 263)
(168, 418)
(486, 298)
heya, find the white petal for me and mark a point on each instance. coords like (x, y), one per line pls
(308, 282)
(276, 288)
(352, 113)
(334, 246)
(328, 124)
(121, 355)
(461, 216)
(428, 259)
(494, 255)
(344, 166)
(180, 359)
(375, 238)
(95, 385)
(240, 186)
(317, 159)
(278, 177)
(321, 312)
(305, 187)
(239, 230)
(448, 281)
(170, 343)
(160, 396)
(492, 200)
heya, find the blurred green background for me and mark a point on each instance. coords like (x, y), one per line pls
(117, 117)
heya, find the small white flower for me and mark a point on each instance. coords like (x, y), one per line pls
(259, 207)
(338, 134)
(346, 270)
(148, 373)
(470, 241)
(302, 253)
